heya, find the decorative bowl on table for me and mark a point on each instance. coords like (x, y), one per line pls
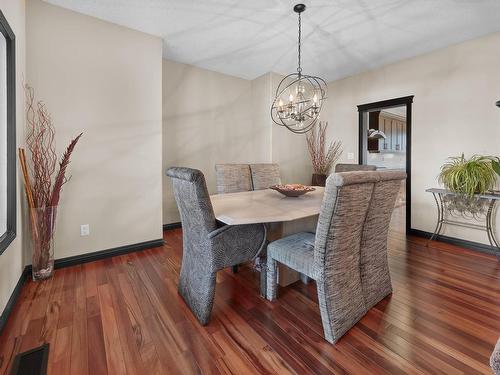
(292, 190)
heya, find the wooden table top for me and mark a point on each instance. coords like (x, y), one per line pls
(265, 206)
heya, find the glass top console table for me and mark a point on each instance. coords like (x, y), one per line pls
(476, 212)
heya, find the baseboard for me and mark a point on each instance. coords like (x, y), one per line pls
(13, 298)
(172, 226)
(72, 261)
(477, 246)
(90, 257)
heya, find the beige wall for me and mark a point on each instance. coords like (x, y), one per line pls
(208, 118)
(211, 118)
(104, 80)
(11, 261)
(455, 91)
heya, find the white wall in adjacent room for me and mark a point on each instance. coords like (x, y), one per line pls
(453, 112)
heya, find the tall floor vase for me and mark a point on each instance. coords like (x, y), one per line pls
(43, 220)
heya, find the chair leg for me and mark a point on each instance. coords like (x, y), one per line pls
(338, 315)
(197, 288)
(328, 330)
(272, 279)
(263, 276)
(376, 282)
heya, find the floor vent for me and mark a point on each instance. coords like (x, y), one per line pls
(32, 362)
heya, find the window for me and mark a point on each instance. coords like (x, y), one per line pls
(7, 135)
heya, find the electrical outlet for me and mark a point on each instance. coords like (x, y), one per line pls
(84, 230)
(350, 156)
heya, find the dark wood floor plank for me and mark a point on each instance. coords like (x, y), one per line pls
(129, 331)
(79, 343)
(60, 362)
(253, 347)
(96, 348)
(114, 353)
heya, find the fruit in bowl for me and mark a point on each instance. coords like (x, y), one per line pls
(292, 190)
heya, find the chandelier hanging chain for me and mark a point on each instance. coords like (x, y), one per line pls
(299, 69)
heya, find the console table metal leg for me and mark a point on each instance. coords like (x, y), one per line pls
(489, 229)
(440, 217)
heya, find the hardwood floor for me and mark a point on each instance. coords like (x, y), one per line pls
(123, 315)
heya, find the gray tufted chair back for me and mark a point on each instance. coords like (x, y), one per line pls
(337, 250)
(375, 277)
(265, 175)
(353, 167)
(193, 201)
(340, 224)
(233, 178)
(206, 248)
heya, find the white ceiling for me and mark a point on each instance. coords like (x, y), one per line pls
(400, 111)
(247, 38)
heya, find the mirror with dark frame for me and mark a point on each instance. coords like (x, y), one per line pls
(7, 135)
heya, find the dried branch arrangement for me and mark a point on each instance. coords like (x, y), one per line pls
(321, 157)
(43, 190)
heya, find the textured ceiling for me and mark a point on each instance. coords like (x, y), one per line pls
(340, 37)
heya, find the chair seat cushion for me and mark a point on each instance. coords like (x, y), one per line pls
(295, 251)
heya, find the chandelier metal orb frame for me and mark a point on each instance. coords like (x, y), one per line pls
(299, 97)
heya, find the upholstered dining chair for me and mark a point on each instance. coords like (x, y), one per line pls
(265, 175)
(233, 178)
(207, 248)
(353, 167)
(374, 266)
(334, 256)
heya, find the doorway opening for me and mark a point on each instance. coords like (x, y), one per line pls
(385, 141)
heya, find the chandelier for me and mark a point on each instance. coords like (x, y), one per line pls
(299, 97)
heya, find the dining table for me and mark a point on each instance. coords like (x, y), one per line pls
(282, 215)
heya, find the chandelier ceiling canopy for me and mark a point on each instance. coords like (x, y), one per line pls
(299, 97)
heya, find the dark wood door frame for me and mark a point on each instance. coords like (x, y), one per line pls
(10, 43)
(397, 102)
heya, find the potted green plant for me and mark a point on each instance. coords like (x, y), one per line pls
(475, 175)
(496, 165)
